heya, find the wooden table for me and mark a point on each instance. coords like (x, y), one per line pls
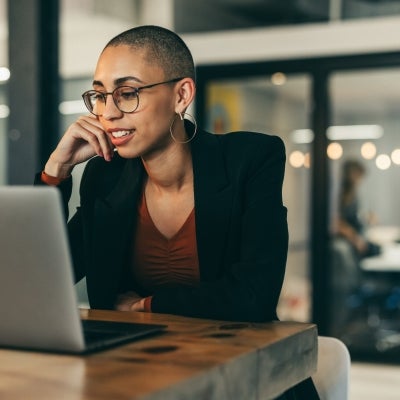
(194, 359)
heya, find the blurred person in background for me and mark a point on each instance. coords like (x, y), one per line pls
(350, 224)
(348, 246)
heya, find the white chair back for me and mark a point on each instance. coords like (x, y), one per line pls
(332, 378)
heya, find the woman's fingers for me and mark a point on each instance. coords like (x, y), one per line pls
(83, 139)
(95, 135)
(129, 301)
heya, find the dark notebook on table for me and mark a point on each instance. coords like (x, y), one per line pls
(38, 301)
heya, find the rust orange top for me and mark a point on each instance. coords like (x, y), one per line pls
(160, 262)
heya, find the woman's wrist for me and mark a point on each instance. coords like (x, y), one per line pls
(57, 170)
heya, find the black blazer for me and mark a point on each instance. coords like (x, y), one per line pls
(241, 228)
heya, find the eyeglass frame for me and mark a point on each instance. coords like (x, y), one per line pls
(135, 89)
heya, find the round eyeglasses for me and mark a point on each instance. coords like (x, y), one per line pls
(126, 98)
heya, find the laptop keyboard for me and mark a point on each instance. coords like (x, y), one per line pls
(102, 333)
(109, 326)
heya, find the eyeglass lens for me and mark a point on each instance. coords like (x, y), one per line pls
(125, 98)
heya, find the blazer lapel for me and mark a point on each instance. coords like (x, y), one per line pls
(113, 223)
(213, 203)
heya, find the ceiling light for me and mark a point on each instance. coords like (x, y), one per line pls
(302, 136)
(278, 78)
(72, 107)
(4, 74)
(4, 111)
(354, 132)
(383, 161)
(368, 150)
(334, 151)
(296, 159)
(396, 156)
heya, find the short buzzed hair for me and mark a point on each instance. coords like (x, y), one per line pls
(164, 48)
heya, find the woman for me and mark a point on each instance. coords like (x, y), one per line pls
(172, 219)
(350, 226)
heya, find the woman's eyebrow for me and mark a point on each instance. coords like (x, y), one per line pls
(97, 83)
(119, 81)
(124, 79)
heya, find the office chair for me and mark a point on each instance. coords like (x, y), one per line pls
(332, 377)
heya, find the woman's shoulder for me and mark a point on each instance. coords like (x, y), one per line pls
(246, 141)
(253, 138)
(245, 137)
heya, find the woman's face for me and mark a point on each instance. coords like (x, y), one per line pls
(144, 132)
(356, 176)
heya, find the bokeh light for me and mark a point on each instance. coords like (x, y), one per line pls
(396, 156)
(334, 151)
(4, 74)
(307, 160)
(296, 159)
(368, 150)
(278, 78)
(383, 161)
(4, 111)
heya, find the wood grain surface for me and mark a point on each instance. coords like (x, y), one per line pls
(193, 359)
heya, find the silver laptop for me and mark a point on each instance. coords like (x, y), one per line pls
(38, 300)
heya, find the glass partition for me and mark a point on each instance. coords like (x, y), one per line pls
(364, 152)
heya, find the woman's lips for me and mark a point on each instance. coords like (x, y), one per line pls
(121, 133)
(120, 137)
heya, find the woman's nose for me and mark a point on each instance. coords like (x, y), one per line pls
(111, 110)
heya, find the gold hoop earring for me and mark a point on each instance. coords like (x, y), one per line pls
(182, 117)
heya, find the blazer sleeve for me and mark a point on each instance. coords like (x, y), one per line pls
(74, 226)
(65, 187)
(250, 285)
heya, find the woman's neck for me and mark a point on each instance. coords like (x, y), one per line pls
(170, 171)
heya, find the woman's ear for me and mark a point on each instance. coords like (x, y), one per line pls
(186, 90)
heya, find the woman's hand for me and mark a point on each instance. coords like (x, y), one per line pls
(84, 139)
(130, 301)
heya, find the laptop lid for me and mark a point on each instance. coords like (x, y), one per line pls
(38, 300)
(38, 304)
